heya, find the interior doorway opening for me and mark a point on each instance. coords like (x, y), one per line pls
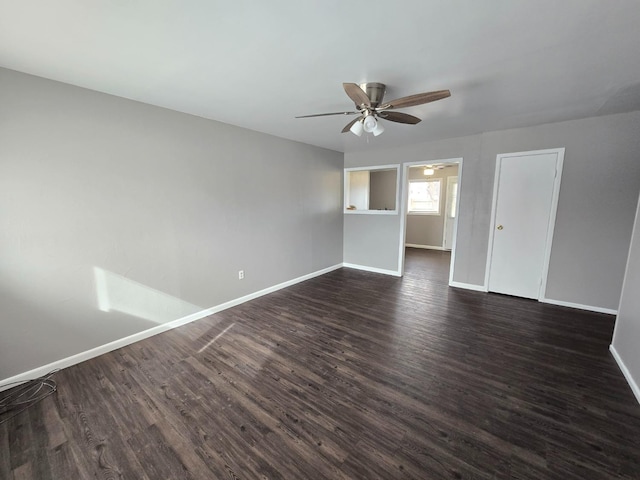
(431, 192)
(427, 267)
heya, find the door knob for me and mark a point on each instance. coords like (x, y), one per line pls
(499, 227)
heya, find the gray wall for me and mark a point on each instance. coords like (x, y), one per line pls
(383, 186)
(600, 184)
(371, 235)
(374, 242)
(626, 338)
(149, 211)
(429, 229)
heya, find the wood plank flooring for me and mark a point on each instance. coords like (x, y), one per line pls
(351, 375)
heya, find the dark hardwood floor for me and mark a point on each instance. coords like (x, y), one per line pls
(351, 375)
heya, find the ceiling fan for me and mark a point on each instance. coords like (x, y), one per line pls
(368, 98)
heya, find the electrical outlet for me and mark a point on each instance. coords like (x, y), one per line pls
(240, 274)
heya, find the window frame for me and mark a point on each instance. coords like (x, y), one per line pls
(372, 168)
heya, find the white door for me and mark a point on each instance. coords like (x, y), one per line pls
(523, 218)
(450, 212)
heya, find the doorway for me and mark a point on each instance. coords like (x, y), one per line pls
(522, 220)
(429, 210)
(429, 268)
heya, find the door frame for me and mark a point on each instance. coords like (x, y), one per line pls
(404, 206)
(552, 216)
(446, 209)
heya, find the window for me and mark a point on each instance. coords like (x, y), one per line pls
(424, 196)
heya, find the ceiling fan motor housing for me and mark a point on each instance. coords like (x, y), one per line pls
(375, 92)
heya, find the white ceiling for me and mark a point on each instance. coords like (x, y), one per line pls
(257, 64)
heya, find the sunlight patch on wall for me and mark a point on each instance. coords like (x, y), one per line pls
(121, 294)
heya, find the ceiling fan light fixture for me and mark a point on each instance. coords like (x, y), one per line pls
(357, 128)
(368, 99)
(369, 123)
(378, 130)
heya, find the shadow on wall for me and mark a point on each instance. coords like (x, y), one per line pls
(117, 293)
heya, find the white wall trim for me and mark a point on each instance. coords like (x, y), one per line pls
(370, 212)
(492, 222)
(373, 168)
(625, 371)
(136, 337)
(580, 306)
(445, 213)
(468, 286)
(483, 288)
(455, 222)
(552, 219)
(404, 199)
(634, 234)
(372, 269)
(426, 247)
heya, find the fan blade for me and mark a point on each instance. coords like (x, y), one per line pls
(399, 117)
(417, 99)
(348, 126)
(356, 94)
(326, 114)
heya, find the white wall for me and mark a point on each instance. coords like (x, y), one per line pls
(596, 207)
(143, 212)
(626, 337)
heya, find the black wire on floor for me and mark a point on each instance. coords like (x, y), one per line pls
(17, 399)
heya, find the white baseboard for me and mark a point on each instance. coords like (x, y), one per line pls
(468, 286)
(482, 288)
(625, 371)
(136, 337)
(426, 247)
(579, 306)
(394, 273)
